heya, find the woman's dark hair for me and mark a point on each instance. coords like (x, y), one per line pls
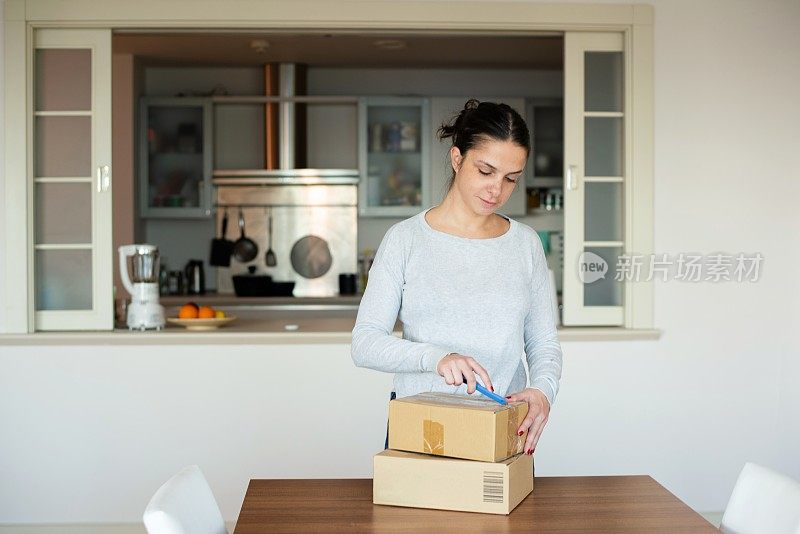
(481, 121)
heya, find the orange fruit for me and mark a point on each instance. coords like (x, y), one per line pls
(205, 312)
(188, 311)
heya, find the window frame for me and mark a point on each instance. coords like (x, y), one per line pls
(22, 17)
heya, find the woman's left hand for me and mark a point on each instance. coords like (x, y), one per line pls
(538, 413)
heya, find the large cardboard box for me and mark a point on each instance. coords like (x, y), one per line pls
(425, 481)
(457, 426)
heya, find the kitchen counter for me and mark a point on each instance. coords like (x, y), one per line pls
(251, 327)
(232, 301)
(265, 326)
(271, 321)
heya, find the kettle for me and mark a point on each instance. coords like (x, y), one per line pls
(195, 277)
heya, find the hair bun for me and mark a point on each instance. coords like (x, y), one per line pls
(471, 104)
(478, 121)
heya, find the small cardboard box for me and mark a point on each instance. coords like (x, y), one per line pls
(457, 426)
(425, 481)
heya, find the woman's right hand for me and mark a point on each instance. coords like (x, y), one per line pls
(454, 368)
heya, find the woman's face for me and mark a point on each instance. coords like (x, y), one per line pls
(487, 174)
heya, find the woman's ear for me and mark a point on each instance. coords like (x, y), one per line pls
(455, 158)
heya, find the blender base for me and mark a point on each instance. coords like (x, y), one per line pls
(145, 316)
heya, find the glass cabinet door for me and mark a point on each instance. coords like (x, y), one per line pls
(393, 158)
(175, 157)
(546, 122)
(595, 177)
(72, 248)
(545, 168)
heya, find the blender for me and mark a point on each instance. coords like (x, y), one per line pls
(144, 311)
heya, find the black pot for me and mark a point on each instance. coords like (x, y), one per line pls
(251, 284)
(281, 289)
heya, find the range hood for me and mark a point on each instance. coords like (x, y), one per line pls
(285, 177)
(285, 107)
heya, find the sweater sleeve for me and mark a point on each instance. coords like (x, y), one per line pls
(542, 348)
(374, 346)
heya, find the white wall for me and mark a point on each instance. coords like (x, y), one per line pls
(90, 431)
(87, 435)
(722, 382)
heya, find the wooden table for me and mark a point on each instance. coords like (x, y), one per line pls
(557, 504)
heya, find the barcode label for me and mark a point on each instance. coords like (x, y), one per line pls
(493, 486)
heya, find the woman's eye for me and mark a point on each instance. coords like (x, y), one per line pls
(512, 180)
(484, 173)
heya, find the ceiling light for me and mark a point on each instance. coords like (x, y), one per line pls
(259, 45)
(390, 44)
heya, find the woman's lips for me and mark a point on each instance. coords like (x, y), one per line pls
(488, 204)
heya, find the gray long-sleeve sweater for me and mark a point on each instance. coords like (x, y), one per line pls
(485, 298)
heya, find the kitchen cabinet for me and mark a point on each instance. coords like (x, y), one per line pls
(394, 145)
(175, 157)
(443, 109)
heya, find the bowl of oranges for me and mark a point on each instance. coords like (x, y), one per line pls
(200, 318)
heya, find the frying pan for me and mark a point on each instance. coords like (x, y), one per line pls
(244, 249)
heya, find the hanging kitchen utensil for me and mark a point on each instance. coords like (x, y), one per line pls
(311, 257)
(244, 249)
(221, 247)
(269, 257)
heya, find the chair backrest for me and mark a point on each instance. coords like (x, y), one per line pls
(762, 501)
(184, 505)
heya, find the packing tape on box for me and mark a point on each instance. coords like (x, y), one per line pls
(515, 442)
(459, 400)
(432, 437)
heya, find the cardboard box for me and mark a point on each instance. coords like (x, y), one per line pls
(457, 426)
(425, 481)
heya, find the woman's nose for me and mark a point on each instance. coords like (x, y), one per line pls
(495, 187)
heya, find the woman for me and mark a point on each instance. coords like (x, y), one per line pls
(471, 287)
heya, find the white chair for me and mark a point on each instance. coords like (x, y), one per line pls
(762, 501)
(184, 505)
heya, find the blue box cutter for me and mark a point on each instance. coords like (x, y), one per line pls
(494, 396)
(482, 390)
